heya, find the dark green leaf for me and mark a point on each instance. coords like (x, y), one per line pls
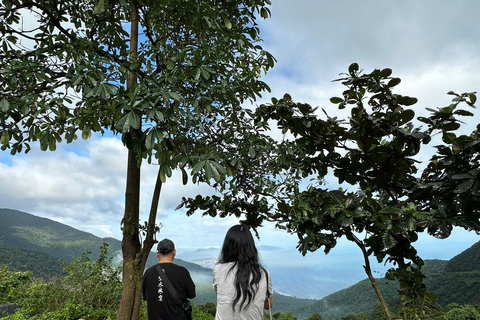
(336, 100)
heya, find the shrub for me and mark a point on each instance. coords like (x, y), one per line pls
(315, 316)
(13, 285)
(89, 291)
(357, 316)
(199, 314)
(209, 308)
(457, 312)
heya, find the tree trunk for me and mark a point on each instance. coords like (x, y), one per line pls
(133, 260)
(133, 265)
(368, 271)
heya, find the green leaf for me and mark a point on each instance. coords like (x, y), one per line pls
(199, 166)
(205, 73)
(99, 7)
(386, 72)
(406, 116)
(353, 68)
(86, 133)
(4, 105)
(5, 138)
(184, 176)
(464, 113)
(264, 13)
(464, 186)
(122, 125)
(451, 126)
(135, 120)
(411, 223)
(336, 100)
(394, 82)
(163, 178)
(251, 152)
(52, 144)
(150, 140)
(473, 98)
(130, 119)
(227, 22)
(208, 171)
(175, 96)
(159, 115)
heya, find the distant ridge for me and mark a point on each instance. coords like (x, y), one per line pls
(468, 260)
(453, 281)
(53, 241)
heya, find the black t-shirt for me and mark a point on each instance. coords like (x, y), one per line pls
(160, 303)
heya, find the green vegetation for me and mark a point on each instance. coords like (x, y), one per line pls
(90, 290)
(40, 264)
(22, 271)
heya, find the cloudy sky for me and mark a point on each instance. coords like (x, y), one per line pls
(431, 45)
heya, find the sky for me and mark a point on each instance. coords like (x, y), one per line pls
(431, 45)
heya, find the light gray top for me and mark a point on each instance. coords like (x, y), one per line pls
(223, 283)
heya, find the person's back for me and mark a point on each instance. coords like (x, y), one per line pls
(239, 280)
(161, 304)
(224, 285)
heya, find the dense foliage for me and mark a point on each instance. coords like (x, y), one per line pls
(23, 260)
(382, 199)
(169, 77)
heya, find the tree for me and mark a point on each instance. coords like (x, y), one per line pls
(174, 94)
(315, 316)
(382, 202)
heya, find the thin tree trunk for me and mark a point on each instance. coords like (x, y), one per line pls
(368, 271)
(129, 308)
(131, 247)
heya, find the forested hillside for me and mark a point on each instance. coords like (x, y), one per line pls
(50, 241)
(41, 264)
(448, 287)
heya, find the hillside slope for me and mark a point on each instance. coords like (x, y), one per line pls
(448, 286)
(52, 241)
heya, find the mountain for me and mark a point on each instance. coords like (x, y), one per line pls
(26, 239)
(442, 279)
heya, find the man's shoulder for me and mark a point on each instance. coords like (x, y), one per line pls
(179, 267)
(151, 268)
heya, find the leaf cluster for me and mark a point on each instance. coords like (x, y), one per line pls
(380, 191)
(196, 64)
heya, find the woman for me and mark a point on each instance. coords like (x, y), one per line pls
(243, 286)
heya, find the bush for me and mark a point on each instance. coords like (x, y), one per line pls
(357, 316)
(13, 285)
(457, 312)
(89, 291)
(198, 313)
(284, 316)
(209, 308)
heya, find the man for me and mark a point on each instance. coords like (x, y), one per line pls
(161, 304)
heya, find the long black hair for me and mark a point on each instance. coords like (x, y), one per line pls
(239, 247)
